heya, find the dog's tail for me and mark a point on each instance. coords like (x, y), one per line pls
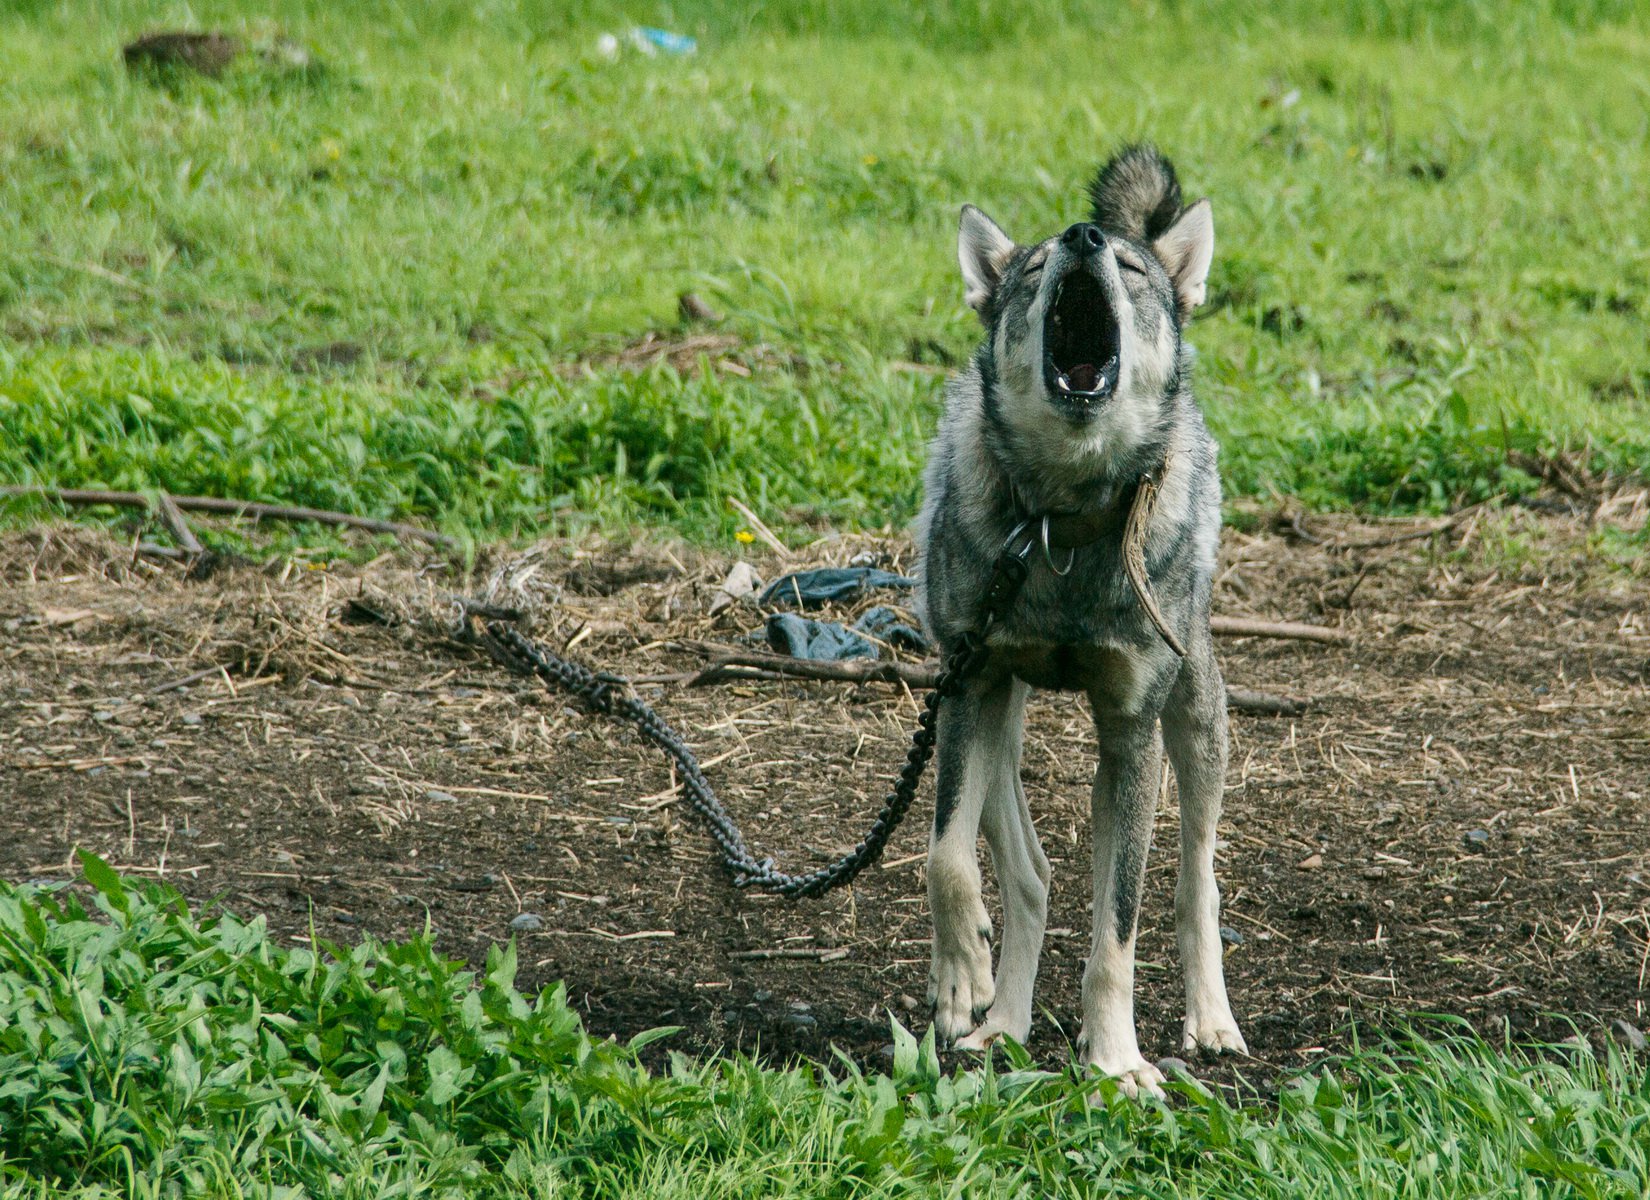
(1136, 193)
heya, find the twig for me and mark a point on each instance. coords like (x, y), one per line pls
(807, 954)
(1249, 627)
(173, 517)
(768, 667)
(758, 528)
(194, 677)
(1263, 704)
(858, 670)
(234, 508)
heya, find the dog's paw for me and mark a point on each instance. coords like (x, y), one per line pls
(1136, 1079)
(994, 1028)
(960, 989)
(1213, 1036)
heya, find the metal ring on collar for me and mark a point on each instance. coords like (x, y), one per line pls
(1014, 534)
(1048, 554)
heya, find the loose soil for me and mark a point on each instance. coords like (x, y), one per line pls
(1458, 825)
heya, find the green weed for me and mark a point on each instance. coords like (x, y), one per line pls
(366, 285)
(146, 1050)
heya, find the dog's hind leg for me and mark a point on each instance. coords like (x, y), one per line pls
(979, 737)
(1022, 879)
(1194, 730)
(1124, 805)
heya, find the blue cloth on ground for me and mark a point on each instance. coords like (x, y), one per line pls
(813, 589)
(831, 641)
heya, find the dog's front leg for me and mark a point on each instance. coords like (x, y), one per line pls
(976, 736)
(1022, 882)
(1194, 729)
(1123, 805)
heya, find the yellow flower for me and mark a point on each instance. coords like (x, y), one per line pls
(331, 149)
(745, 537)
(870, 160)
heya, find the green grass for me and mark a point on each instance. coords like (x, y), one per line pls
(149, 1051)
(1429, 217)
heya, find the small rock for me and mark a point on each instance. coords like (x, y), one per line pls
(480, 883)
(1630, 1036)
(190, 719)
(800, 1006)
(741, 582)
(1476, 839)
(1172, 1066)
(527, 922)
(729, 1017)
(103, 715)
(1373, 872)
(1230, 936)
(694, 310)
(206, 53)
(800, 1022)
(761, 997)
(906, 1002)
(440, 797)
(1311, 862)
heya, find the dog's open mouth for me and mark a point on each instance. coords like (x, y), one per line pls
(1080, 343)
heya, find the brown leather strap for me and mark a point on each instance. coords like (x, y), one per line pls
(1134, 559)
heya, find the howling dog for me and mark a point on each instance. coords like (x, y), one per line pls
(1072, 442)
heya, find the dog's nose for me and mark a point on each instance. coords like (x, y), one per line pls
(1085, 239)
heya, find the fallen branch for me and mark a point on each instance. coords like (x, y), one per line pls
(234, 508)
(1295, 630)
(768, 667)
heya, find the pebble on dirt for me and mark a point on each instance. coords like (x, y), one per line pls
(527, 922)
(1630, 1036)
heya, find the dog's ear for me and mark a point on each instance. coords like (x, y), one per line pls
(983, 250)
(1186, 249)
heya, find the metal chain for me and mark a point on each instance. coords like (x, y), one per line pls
(610, 696)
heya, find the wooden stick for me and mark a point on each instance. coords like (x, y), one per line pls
(1249, 627)
(235, 508)
(802, 953)
(854, 670)
(172, 515)
(769, 667)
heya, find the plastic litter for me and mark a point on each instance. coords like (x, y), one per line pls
(647, 40)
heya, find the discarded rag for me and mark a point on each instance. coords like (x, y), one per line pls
(821, 586)
(831, 641)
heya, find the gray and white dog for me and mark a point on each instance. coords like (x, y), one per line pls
(1079, 399)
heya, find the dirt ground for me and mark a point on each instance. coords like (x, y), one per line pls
(1459, 824)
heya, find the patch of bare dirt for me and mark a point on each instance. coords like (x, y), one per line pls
(1460, 824)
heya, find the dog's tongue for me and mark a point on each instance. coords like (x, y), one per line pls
(1084, 377)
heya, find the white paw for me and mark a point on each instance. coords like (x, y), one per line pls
(1214, 1035)
(1136, 1079)
(960, 989)
(994, 1028)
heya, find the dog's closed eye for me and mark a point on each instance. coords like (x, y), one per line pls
(1128, 264)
